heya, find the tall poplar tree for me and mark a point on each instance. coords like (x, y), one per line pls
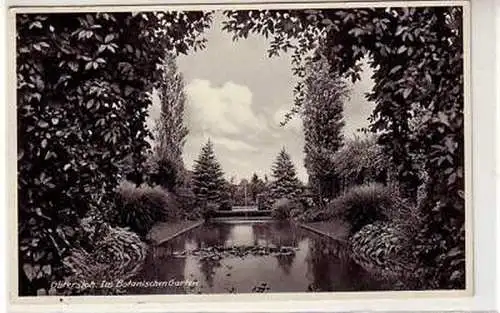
(323, 122)
(208, 178)
(170, 131)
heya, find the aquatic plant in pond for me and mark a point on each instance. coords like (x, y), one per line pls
(252, 256)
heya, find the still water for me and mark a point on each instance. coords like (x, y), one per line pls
(253, 256)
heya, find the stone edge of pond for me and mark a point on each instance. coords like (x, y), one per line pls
(177, 233)
(318, 231)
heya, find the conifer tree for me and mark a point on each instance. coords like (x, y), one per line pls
(208, 178)
(285, 182)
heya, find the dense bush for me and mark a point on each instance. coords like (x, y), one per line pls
(187, 203)
(283, 208)
(162, 172)
(114, 253)
(360, 161)
(405, 215)
(315, 215)
(383, 249)
(363, 205)
(314, 210)
(208, 211)
(139, 208)
(387, 245)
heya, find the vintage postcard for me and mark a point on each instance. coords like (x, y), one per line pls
(297, 149)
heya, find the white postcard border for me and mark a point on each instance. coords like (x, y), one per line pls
(243, 301)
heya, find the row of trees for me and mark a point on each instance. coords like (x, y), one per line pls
(210, 187)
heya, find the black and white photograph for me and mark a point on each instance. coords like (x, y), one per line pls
(242, 149)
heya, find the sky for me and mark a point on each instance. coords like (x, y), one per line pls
(237, 96)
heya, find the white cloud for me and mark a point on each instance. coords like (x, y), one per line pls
(220, 110)
(154, 112)
(234, 145)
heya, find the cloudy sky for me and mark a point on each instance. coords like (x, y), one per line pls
(237, 97)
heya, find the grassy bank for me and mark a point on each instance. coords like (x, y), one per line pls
(334, 229)
(167, 230)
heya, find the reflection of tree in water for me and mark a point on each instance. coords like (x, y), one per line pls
(285, 262)
(207, 268)
(262, 233)
(160, 265)
(318, 267)
(213, 235)
(328, 266)
(284, 234)
(277, 234)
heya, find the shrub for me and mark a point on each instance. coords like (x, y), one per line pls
(360, 161)
(194, 214)
(405, 215)
(209, 210)
(114, 253)
(314, 215)
(296, 212)
(282, 208)
(164, 172)
(362, 205)
(316, 210)
(383, 249)
(139, 208)
(187, 203)
(321, 215)
(208, 213)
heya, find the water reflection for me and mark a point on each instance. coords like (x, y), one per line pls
(166, 267)
(237, 257)
(277, 234)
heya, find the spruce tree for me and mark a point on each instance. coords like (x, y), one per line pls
(208, 178)
(285, 182)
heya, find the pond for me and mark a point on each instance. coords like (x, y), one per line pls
(253, 256)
